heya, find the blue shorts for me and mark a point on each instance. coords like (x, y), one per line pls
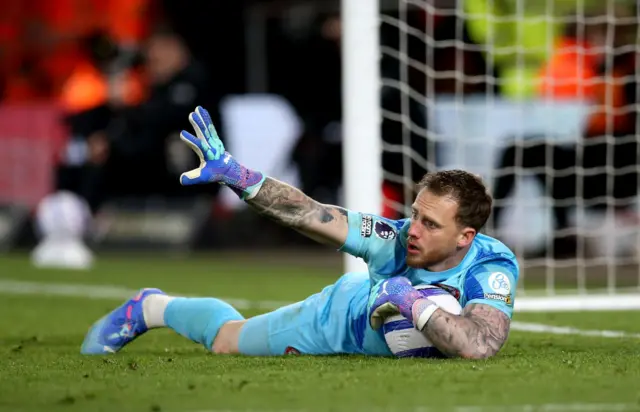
(334, 321)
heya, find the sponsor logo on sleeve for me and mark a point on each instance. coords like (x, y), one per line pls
(500, 283)
(384, 231)
(496, 296)
(366, 225)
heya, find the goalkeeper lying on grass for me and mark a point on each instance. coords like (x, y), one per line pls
(439, 244)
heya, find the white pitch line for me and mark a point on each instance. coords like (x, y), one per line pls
(565, 330)
(568, 303)
(18, 287)
(553, 407)
(545, 407)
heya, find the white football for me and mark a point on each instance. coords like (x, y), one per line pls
(404, 340)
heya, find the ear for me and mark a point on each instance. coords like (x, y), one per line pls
(466, 237)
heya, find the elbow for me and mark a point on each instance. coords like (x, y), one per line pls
(476, 354)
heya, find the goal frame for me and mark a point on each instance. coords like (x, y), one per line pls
(362, 148)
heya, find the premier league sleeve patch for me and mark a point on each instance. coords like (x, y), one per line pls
(384, 231)
(365, 225)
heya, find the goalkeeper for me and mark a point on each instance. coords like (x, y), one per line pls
(439, 245)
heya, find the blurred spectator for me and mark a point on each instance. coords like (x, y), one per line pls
(41, 40)
(516, 35)
(93, 78)
(128, 156)
(571, 71)
(85, 99)
(608, 153)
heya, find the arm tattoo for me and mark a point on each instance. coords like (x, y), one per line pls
(478, 333)
(292, 208)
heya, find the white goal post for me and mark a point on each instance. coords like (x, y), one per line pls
(361, 110)
(470, 130)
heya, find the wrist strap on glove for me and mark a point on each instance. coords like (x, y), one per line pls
(422, 310)
(246, 183)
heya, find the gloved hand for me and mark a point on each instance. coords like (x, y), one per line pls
(216, 164)
(398, 296)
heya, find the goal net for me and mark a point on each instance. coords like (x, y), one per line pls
(539, 97)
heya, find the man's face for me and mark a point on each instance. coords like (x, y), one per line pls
(164, 58)
(434, 235)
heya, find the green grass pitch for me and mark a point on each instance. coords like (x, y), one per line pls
(41, 368)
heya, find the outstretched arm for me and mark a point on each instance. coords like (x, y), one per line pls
(290, 207)
(478, 333)
(270, 197)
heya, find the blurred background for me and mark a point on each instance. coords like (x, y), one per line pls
(537, 96)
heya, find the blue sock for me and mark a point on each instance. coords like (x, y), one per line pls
(199, 319)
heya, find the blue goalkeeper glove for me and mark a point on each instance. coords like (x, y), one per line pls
(216, 164)
(398, 296)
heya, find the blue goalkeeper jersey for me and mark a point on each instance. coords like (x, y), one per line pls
(488, 274)
(336, 320)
